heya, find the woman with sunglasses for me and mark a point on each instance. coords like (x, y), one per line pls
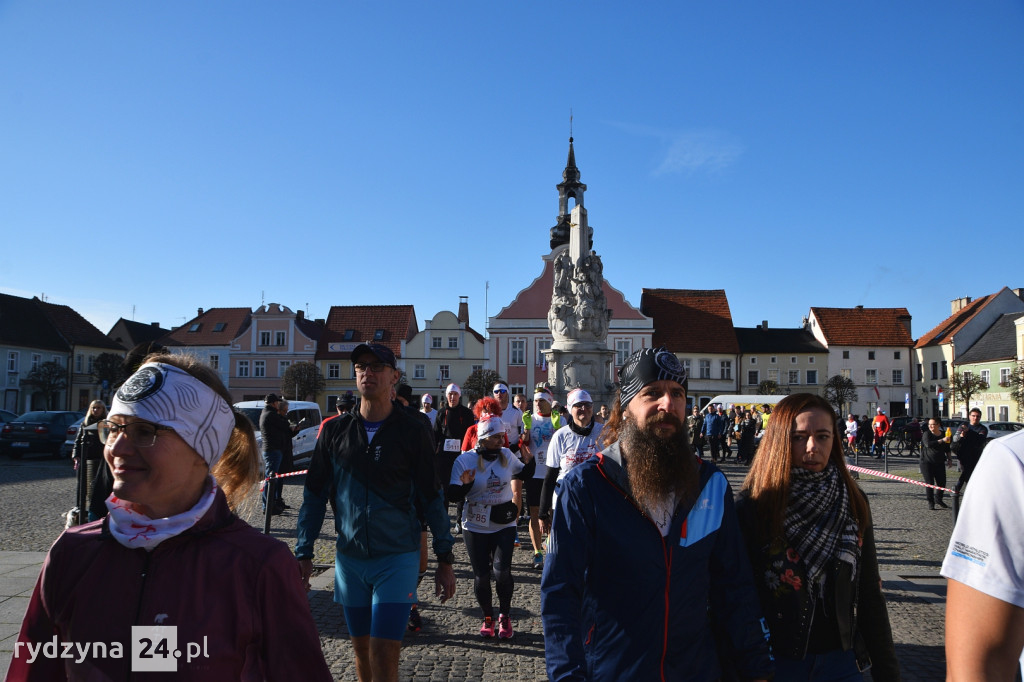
(171, 552)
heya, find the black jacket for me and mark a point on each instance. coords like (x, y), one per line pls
(276, 430)
(451, 422)
(861, 619)
(933, 450)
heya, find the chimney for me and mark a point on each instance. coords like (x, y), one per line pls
(764, 324)
(463, 315)
(154, 324)
(959, 304)
(905, 321)
(200, 312)
(300, 314)
(860, 307)
(1018, 292)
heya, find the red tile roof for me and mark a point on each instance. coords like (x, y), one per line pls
(234, 320)
(398, 323)
(864, 326)
(945, 330)
(690, 320)
(75, 328)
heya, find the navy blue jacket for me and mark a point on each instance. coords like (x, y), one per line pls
(620, 602)
(379, 489)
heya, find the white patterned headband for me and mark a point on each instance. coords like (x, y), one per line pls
(168, 396)
(646, 366)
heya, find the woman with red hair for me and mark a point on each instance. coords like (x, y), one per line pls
(808, 532)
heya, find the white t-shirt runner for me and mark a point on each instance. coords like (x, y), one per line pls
(568, 448)
(541, 432)
(512, 418)
(490, 487)
(986, 549)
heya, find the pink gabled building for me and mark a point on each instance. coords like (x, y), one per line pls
(519, 333)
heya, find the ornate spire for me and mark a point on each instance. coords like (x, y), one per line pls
(570, 187)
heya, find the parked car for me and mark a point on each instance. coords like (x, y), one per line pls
(6, 416)
(69, 440)
(1000, 429)
(305, 415)
(42, 431)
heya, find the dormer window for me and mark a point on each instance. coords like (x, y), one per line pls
(349, 335)
(378, 335)
(219, 327)
(195, 327)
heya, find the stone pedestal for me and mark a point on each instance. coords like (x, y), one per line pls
(581, 367)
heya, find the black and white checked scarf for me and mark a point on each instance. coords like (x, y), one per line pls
(819, 523)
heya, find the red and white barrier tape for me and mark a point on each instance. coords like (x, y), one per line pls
(882, 474)
(290, 473)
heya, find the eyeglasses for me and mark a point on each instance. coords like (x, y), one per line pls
(141, 434)
(375, 367)
(499, 390)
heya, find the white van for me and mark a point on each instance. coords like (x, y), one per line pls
(740, 399)
(305, 415)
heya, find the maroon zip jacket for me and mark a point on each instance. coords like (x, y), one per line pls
(235, 596)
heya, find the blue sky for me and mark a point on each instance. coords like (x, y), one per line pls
(158, 157)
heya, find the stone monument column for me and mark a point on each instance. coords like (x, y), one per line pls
(579, 356)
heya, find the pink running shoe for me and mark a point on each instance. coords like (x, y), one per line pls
(504, 627)
(487, 629)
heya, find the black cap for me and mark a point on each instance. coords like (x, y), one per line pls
(382, 353)
(405, 391)
(271, 398)
(347, 399)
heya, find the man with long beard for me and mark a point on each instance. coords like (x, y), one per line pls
(647, 577)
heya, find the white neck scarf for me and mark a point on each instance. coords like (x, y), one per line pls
(135, 530)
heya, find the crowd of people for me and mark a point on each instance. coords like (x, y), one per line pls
(651, 567)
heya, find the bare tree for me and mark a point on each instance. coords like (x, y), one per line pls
(108, 371)
(302, 381)
(479, 384)
(49, 378)
(840, 391)
(965, 385)
(770, 387)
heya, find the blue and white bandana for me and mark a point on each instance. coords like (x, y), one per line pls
(646, 366)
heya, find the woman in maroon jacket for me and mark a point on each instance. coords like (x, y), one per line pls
(171, 579)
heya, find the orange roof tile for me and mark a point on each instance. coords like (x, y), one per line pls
(944, 331)
(216, 327)
(690, 320)
(864, 326)
(398, 323)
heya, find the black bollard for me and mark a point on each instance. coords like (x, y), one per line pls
(269, 510)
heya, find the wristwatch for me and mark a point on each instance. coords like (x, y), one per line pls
(446, 558)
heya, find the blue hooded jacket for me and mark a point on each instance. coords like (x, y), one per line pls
(621, 602)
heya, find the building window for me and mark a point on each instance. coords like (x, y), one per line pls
(349, 335)
(871, 376)
(435, 341)
(280, 338)
(753, 360)
(920, 372)
(897, 377)
(259, 368)
(195, 327)
(686, 367)
(844, 373)
(945, 370)
(991, 409)
(810, 359)
(444, 372)
(985, 376)
(846, 355)
(753, 377)
(967, 375)
(378, 334)
(79, 359)
(243, 368)
(773, 375)
(773, 359)
(794, 377)
(517, 389)
(282, 367)
(517, 352)
(91, 364)
(895, 355)
(37, 359)
(705, 369)
(542, 345)
(623, 349)
(419, 372)
(219, 327)
(58, 360)
(727, 369)
(476, 368)
(215, 361)
(1004, 376)
(333, 370)
(792, 360)
(453, 343)
(264, 338)
(935, 371)
(812, 377)
(1004, 413)
(12, 361)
